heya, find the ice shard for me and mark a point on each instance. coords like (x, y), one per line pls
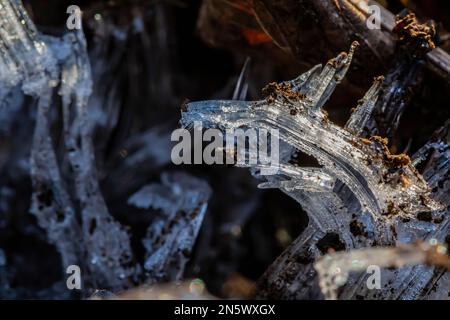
(334, 268)
(360, 195)
(386, 185)
(182, 200)
(363, 111)
(24, 58)
(39, 64)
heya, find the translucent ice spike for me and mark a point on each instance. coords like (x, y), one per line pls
(240, 91)
(24, 57)
(333, 269)
(110, 258)
(364, 110)
(323, 85)
(307, 179)
(76, 79)
(302, 82)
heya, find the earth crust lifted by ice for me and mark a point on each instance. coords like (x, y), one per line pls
(359, 183)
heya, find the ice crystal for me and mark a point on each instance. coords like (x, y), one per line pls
(51, 201)
(182, 201)
(385, 184)
(67, 200)
(334, 269)
(25, 58)
(362, 195)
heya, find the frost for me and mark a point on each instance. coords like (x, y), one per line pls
(24, 56)
(182, 201)
(363, 112)
(89, 138)
(412, 282)
(385, 184)
(39, 64)
(67, 200)
(333, 269)
(187, 290)
(360, 196)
